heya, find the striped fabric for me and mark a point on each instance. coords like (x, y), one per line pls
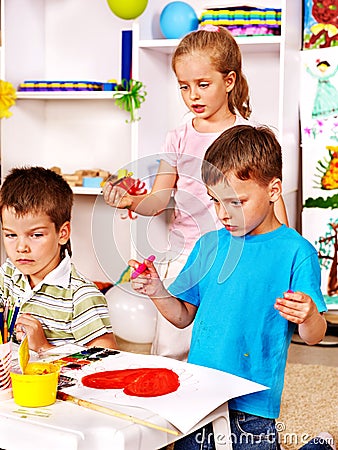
(71, 310)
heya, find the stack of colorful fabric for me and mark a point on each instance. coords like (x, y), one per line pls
(245, 20)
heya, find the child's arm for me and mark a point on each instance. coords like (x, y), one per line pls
(148, 204)
(300, 308)
(107, 340)
(38, 342)
(28, 324)
(179, 313)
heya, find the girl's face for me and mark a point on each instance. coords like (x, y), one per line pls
(203, 89)
(246, 207)
(32, 243)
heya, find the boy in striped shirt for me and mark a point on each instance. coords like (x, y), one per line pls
(48, 298)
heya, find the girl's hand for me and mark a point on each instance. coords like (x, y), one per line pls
(116, 196)
(148, 282)
(27, 324)
(296, 307)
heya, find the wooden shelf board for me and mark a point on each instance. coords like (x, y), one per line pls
(78, 190)
(66, 95)
(256, 42)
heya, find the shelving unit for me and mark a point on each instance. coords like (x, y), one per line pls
(69, 40)
(167, 45)
(81, 39)
(50, 95)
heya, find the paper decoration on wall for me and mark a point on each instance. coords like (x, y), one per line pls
(319, 95)
(328, 256)
(319, 125)
(328, 169)
(320, 23)
(326, 100)
(7, 98)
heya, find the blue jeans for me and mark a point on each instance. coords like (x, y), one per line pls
(248, 432)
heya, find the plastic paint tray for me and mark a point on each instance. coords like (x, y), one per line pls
(37, 386)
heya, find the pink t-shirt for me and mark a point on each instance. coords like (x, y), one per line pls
(194, 213)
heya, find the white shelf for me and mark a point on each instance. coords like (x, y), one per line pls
(67, 95)
(78, 190)
(262, 43)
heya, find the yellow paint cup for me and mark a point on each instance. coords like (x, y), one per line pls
(37, 386)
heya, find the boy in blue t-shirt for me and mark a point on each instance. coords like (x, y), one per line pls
(246, 286)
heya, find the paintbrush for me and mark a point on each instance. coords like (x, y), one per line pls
(111, 412)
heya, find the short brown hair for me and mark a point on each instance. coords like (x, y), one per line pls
(245, 151)
(38, 190)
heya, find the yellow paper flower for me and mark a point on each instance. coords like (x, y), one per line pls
(7, 98)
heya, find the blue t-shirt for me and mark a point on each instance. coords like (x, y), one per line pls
(234, 282)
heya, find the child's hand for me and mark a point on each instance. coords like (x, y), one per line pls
(147, 282)
(116, 196)
(296, 307)
(26, 323)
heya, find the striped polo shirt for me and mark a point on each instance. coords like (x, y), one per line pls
(70, 308)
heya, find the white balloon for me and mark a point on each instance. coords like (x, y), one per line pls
(133, 316)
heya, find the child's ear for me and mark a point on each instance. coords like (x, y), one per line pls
(230, 81)
(275, 189)
(64, 233)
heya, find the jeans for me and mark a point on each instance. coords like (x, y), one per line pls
(248, 432)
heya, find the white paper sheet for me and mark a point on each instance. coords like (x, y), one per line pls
(201, 389)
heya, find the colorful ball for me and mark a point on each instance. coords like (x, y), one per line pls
(177, 19)
(127, 9)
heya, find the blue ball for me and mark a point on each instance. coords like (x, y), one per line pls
(177, 19)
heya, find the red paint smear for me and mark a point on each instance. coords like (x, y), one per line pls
(145, 382)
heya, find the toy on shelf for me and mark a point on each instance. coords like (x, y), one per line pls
(93, 178)
(244, 20)
(65, 86)
(177, 19)
(128, 95)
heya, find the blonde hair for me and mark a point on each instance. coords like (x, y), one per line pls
(225, 56)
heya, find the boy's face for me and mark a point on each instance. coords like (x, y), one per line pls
(32, 243)
(246, 207)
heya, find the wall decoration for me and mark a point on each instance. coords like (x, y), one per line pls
(320, 24)
(7, 98)
(319, 126)
(326, 100)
